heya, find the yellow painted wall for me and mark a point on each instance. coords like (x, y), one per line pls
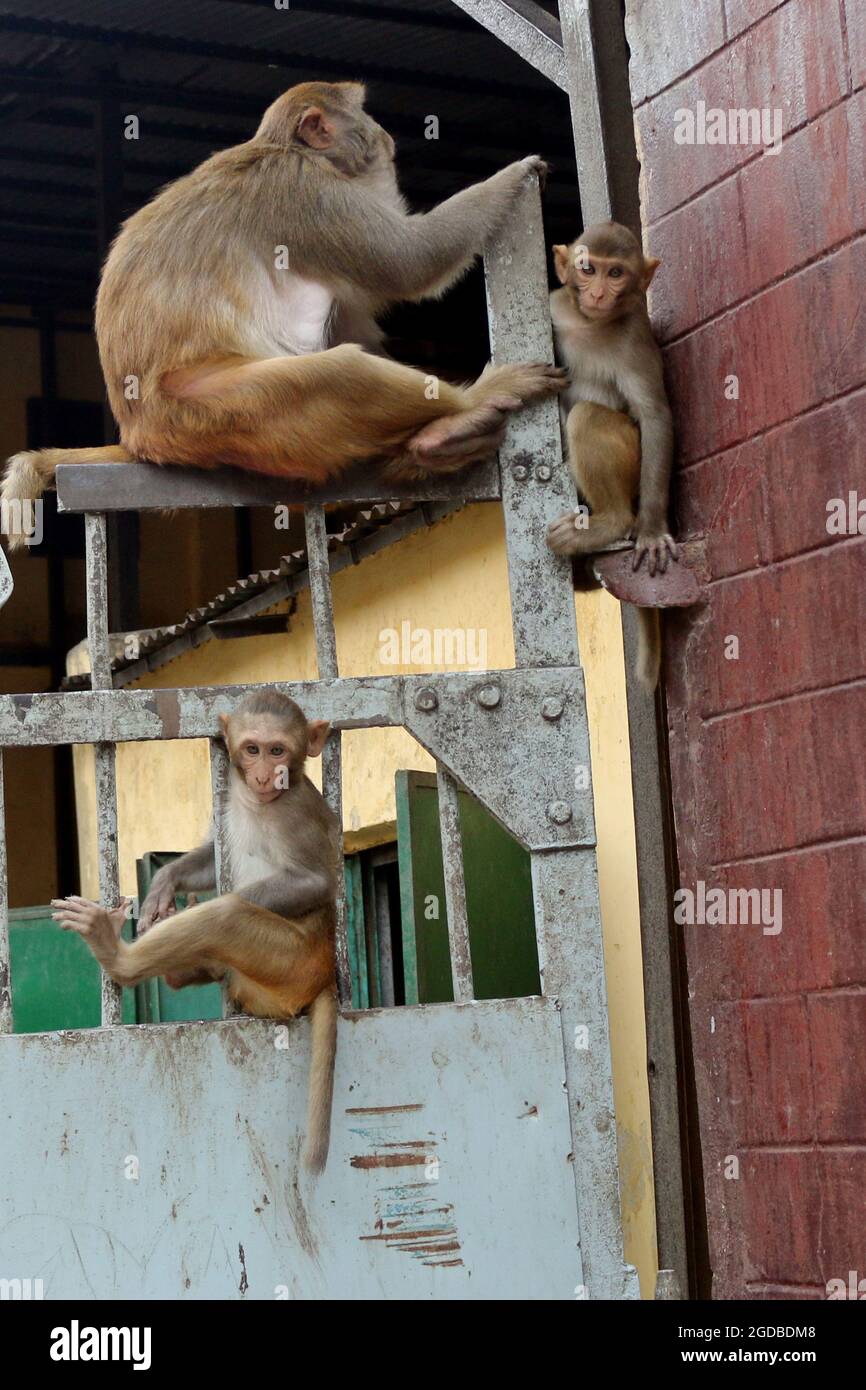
(451, 576)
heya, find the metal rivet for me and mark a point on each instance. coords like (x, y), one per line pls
(559, 812)
(543, 474)
(552, 708)
(489, 696)
(426, 699)
(519, 473)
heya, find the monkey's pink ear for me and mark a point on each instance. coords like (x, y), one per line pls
(317, 732)
(650, 266)
(560, 263)
(315, 129)
(224, 725)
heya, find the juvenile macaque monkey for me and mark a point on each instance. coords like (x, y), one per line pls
(618, 428)
(235, 309)
(272, 937)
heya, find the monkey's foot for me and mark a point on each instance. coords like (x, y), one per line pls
(512, 385)
(577, 533)
(100, 928)
(451, 443)
(476, 433)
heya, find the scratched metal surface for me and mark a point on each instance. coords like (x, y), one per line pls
(213, 1115)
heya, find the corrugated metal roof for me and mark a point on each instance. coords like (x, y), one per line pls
(255, 593)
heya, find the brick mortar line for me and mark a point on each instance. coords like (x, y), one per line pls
(851, 684)
(767, 429)
(708, 58)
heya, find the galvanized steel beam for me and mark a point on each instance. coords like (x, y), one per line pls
(536, 483)
(455, 888)
(321, 598)
(147, 487)
(525, 28)
(104, 753)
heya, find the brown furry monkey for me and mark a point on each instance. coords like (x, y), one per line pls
(272, 937)
(618, 427)
(235, 310)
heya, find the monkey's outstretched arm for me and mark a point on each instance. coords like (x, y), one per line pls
(391, 256)
(192, 872)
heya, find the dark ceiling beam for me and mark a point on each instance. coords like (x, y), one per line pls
(357, 9)
(301, 63)
(37, 234)
(135, 95)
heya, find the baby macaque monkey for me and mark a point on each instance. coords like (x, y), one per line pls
(618, 426)
(272, 938)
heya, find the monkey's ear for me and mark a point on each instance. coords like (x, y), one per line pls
(317, 732)
(560, 263)
(315, 129)
(355, 91)
(650, 266)
(224, 725)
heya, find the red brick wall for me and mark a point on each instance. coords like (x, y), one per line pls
(764, 276)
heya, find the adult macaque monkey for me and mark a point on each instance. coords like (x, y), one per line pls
(234, 310)
(272, 938)
(618, 429)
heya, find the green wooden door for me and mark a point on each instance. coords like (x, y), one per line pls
(498, 899)
(55, 979)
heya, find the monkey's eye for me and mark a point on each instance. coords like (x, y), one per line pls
(615, 272)
(587, 269)
(277, 751)
(253, 750)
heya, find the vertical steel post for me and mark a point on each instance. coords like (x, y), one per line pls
(104, 754)
(219, 781)
(536, 487)
(597, 75)
(321, 598)
(455, 887)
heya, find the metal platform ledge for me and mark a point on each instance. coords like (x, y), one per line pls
(124, 487)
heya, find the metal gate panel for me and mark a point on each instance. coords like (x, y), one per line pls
(163, 1162)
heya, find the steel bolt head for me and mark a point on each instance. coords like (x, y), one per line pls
(543, 474)
(519, 473)
(552, 708)
(426, 699)
(559, 812)
(489, 696)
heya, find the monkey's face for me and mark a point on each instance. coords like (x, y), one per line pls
(269, 757)
(603, 287)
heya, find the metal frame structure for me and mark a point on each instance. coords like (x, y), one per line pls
(513, 738)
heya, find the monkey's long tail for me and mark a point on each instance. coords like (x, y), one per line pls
(649, 648)
(29, 474)
(323, 1027)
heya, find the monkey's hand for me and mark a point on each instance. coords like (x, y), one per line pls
(100, 926)
(534, 164)
(158, 904)
(657, 545)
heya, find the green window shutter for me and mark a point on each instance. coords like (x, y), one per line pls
(498, 899)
